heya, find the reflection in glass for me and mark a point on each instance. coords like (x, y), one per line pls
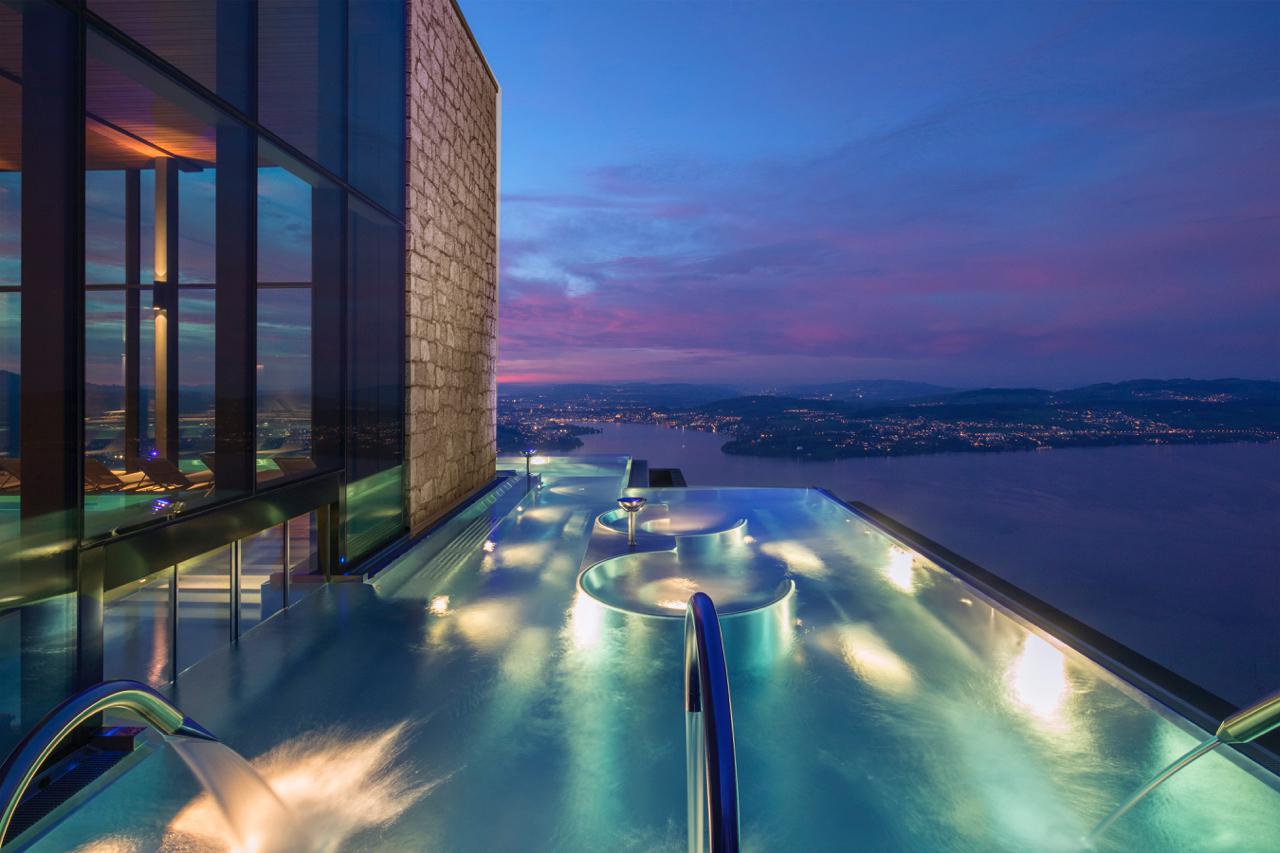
(261, 576)
(286, 291)
(204, 605)
(376, 91)
(150, 213)
(300, 76)
(183, 33)
(136, 630)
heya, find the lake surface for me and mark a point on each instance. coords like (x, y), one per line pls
(1174, 551)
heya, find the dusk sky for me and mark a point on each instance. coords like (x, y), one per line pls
(971, 194)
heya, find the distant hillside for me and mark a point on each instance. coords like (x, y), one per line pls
(1177, 411)
(1154, 394)
(674, 394)
(865, 390)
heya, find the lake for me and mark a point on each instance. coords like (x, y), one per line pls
(1173, 551)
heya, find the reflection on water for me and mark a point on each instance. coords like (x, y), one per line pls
(898, 569)
(871, 659)
(1038, 677)
(335, 783)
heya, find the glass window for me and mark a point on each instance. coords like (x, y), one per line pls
(262, 559)
(300, 97)
(204, 605)
(375, 317)
(151, 185)
(300, 270)
(137, 628)
(376, 101)
(10, 271)
(304, 557)
(189, 34)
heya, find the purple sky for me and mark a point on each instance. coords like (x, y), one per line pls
(1024, 193)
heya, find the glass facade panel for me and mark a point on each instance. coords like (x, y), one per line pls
(238, 311)
(299, 305)
(137, 626)
(375, 317)
(261, 576)
(186, 33)
(151, 188)
(302, 52)
(304, 556)
(204, 605)
(10, 274)
(375, 98)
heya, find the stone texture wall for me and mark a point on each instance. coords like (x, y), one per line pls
(452, 264)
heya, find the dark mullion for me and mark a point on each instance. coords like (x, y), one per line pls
(236, 215)
(165, 308)
(52, 357)
(132, 317)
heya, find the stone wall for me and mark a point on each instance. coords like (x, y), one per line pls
(452, 263)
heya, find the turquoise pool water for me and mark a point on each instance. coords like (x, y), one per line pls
(476, 698)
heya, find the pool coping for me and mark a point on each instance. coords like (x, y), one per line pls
(1181, 695)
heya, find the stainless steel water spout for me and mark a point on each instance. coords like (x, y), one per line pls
(1243, 726)
(632, 505)
(1253, 722)
(33, 750)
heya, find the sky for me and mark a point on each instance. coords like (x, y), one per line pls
(966, 193)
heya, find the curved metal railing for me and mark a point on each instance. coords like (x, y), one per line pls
(33, 750)
(711, 763)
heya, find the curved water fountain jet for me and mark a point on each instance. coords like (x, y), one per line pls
(1243, 726)
(31, 753)
(253, 811)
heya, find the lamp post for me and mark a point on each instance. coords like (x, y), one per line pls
(631, 505)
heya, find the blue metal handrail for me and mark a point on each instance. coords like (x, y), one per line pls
(711, 761)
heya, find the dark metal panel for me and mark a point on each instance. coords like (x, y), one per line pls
(132, 318)
(135, 554)
(236, 309)
(52, 346)
(89, 616)
(164, 307)
(328, 319)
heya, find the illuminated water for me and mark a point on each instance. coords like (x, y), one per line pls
(1126, 539)
(481, 701)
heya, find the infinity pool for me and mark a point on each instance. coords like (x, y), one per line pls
(477, 696)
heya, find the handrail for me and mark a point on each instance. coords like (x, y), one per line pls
(711, 762)
(33, 750)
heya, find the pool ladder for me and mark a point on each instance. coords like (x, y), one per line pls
(711, 763)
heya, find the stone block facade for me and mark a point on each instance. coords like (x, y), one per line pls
(451, 265)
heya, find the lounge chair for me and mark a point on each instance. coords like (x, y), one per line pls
(99, 478)
(10, 474)
(292, 465)
(163, 475)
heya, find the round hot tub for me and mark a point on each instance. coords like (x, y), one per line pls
(661, 519)
(659, 583)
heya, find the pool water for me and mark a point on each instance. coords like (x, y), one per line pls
(476, 698)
